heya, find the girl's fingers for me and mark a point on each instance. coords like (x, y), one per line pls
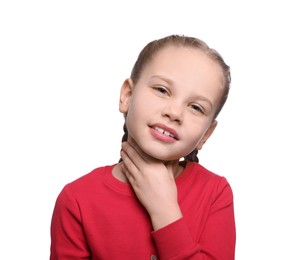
(127, 173)
(128, 166)
(133, 155)
(136, 155)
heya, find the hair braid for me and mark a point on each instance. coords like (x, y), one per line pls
(192, 157)
(124, 137)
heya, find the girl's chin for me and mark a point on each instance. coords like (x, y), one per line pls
(160, 157)
(156, 153)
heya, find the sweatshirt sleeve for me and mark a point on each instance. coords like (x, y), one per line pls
(67, 236)
(217, 240)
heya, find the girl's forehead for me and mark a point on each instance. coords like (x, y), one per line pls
(173, 48)
(185, 56)
(183, 61)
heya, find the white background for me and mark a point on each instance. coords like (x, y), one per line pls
(62, 64)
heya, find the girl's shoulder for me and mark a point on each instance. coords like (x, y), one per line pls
(203, 183)
(94, 175)
(197, 171)
(90, 182)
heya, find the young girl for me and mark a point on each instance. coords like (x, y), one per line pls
(158, 202)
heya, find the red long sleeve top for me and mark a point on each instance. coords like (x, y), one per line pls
(99, 217)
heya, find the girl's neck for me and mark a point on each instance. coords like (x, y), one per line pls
(176, 166)
(119, 175)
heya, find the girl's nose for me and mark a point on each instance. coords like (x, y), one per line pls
(174, 112)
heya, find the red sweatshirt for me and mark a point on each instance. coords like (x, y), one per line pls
(99, 217)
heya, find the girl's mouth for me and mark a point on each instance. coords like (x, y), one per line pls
(164, 133)
(158, 129)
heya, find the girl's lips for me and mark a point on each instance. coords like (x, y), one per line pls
(165, 131)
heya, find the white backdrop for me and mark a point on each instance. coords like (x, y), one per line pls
(61, 67)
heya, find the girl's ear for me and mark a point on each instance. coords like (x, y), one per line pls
(207, 134)
(125, 95)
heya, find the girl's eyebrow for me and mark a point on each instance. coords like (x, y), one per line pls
(205, 100)
(170, 82)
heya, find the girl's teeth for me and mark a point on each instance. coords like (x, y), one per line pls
(166, 133)
(163, 131)
(159, 129)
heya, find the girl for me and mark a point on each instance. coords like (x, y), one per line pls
(153, 204)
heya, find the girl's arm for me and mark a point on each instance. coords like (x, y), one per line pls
(154, 185)
(217, 240)
(67, 236)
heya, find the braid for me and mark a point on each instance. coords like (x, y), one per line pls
(192, 157)
(124, 137)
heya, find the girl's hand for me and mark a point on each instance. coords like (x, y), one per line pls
(153, 183)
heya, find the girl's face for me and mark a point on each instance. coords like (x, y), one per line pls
(171, 108)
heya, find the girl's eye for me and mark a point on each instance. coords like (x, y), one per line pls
(197, 108)
(161, 89)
